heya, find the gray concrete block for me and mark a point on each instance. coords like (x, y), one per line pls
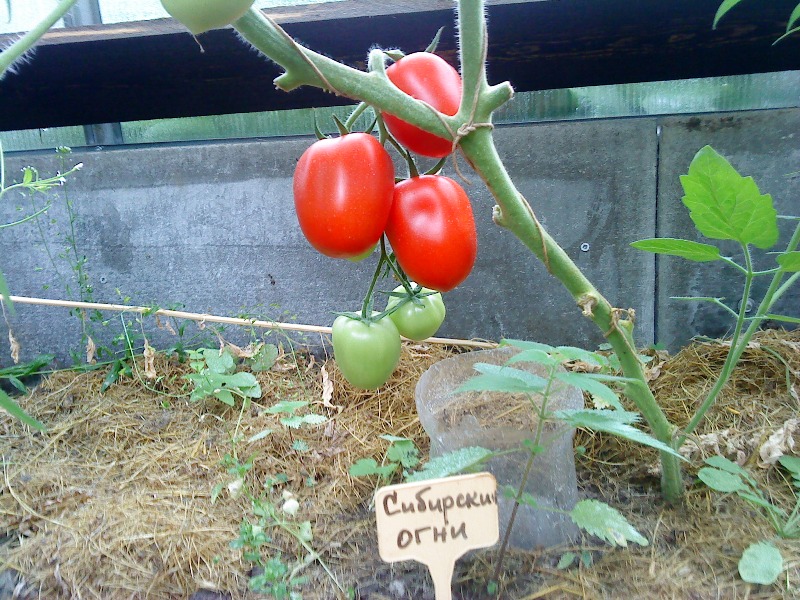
(212, 227)
(761, 144)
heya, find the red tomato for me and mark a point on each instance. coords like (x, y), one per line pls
(429, 78)
(342, 194)
(432, 231)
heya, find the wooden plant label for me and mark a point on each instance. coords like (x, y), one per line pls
(437, 521)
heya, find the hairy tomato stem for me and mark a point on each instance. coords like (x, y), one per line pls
(520, 219)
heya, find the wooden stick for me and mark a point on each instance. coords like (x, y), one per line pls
(207, 318)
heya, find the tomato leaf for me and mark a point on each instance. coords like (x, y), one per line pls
(497, 378)
(600, 391)
(606, 522)
(683, 248)
(452, 463)
(789, 261)
(617, 422)
(726, 206)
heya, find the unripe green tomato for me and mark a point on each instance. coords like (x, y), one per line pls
(417, 321)
(361, 257)
(201, 15)
(367, 353)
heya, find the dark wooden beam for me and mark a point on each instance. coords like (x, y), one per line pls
(153, 69)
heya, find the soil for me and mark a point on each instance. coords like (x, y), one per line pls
(115, 499)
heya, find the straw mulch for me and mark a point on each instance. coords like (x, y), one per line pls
(114, 500)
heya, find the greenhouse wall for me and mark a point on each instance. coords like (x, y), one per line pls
(210, 227)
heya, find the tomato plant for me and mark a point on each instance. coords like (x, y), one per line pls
(420, 315)
(432, 231)
(342, 194)
(366, 351)
(427, 77)
(201, 15)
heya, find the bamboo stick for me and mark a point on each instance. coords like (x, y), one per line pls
(208, 318)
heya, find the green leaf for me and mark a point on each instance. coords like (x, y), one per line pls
(616, 422)
(286, 406)
(314, 419)
(760, 501)
(265, 358)
(29, 368)
(259, 436)
(789, 261)
(366, 467)
(791, 464)
(723, 9)
(720, 462)
(784, 318)
(218, 362)
(761, 563)
(452, 463)
(684, 248)
(404, 452)
(793, 18)
(572, 353)
(12, 408)
(526, 345)
(244, 383)
(726, 206)
(566, 560)
(6, 294)
(533, 355)
(587, 383)
(721, 481)
(224, 396)
(497, 378)
(605, 522)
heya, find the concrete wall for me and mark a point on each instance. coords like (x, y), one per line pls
(211, 227)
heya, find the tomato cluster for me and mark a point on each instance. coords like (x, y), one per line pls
(348, 201)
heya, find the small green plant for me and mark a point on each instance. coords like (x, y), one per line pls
(215, 376)
(402, 456)
(272, 574)
(726, 206)
(761, 562)
(593, 516)
(31, 183)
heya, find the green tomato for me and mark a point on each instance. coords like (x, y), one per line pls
(201, 15)
(366, 353)
(365, 254)
(418, 318)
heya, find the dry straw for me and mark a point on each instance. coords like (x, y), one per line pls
(113, 501)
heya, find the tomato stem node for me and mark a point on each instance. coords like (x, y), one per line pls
(587, 302)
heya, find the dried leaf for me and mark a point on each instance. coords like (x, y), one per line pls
(327, 391)
(149, 355)
(15, 347)
(167, 325)
(90, 350)
(653, 372)
(779, 443)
